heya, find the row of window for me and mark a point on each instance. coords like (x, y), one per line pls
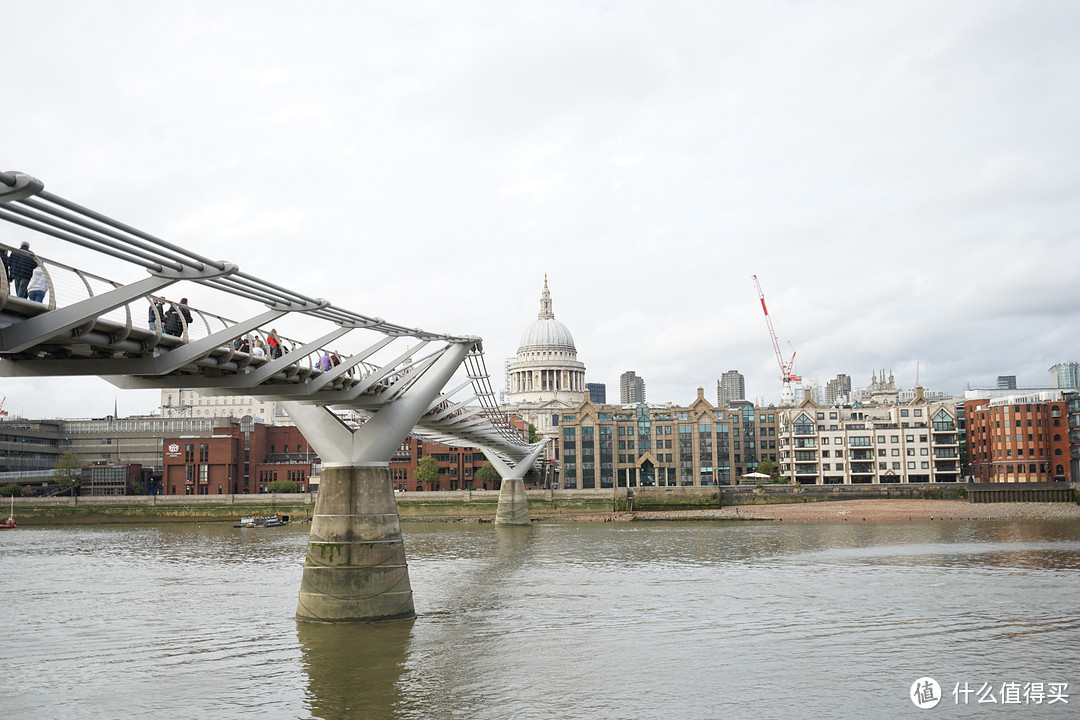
(828, 467)
(1031, 468)
(1014, 438)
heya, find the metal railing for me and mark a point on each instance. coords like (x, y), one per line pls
(122, 331)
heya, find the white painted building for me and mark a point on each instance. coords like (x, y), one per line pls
(546, 379)
(906, 443)
(189, 403)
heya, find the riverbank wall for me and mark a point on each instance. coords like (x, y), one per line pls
(482, 504)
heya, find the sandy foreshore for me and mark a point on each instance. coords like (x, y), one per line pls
(846, 511)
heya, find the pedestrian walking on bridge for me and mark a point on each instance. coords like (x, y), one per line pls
(22, 264)
(38, 285)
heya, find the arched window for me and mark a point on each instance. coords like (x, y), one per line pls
(1060, 470)
(804, 425)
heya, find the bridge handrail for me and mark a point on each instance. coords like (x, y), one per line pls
(25, 202)
(73, 223)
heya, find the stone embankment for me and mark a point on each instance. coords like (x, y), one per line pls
(836, 503)
(876, 511)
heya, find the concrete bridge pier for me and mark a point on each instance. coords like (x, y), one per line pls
(513, 506)
(355, 569)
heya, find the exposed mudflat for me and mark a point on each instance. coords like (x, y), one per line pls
(844, 511)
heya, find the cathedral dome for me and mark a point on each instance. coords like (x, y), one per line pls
(546, 332)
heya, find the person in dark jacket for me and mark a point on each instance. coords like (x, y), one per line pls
(173, 324)
(184, 310)
(22, 266)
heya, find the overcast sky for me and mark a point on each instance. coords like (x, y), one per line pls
(902, 177)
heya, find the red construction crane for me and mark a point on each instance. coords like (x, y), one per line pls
(787, 370)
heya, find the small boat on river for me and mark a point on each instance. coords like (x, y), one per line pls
(261, 521)
(9, 524)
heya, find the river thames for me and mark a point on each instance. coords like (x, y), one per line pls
(665, 620)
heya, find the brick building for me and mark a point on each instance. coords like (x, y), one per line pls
(241, 459)
(457, 466)
(1018, 438)
(112, 478)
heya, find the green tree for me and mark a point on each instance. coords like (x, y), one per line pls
(768, 467)
(68, 472)
(11, 490)
(281, 486)
(488, 474)
(532, 433)
(427, 472)
(138, 489)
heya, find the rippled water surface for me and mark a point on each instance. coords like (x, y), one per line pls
(601, 620)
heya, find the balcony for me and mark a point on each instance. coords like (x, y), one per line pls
(862, 468)
(941, 453)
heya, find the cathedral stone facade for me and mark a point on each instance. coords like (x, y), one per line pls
(547, 379)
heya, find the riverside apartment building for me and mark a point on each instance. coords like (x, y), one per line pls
(914, 442)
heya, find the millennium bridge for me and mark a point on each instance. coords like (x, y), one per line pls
(105, 315)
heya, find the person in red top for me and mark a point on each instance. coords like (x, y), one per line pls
(275, 344)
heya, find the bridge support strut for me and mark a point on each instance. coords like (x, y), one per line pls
(355, 569)
(513, 506)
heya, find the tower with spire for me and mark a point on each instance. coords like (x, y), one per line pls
(546, 377)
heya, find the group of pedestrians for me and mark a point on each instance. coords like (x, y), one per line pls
(26, 273)
(328, 360)
(173, 321)
(243, 344)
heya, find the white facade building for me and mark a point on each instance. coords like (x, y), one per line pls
(911, 443)
(546, 379)
(187, 403)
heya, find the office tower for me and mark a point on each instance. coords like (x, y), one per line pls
(730, 388)
(1065, 375)
(631, 388)
(838, 390)
(597, 393)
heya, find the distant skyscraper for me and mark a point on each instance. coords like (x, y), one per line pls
(1065, 375)
(838, 390)
(631, 388)
(597, 393)
(730, 388)
(1006, 382)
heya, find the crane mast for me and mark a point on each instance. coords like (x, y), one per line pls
(787, 369)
